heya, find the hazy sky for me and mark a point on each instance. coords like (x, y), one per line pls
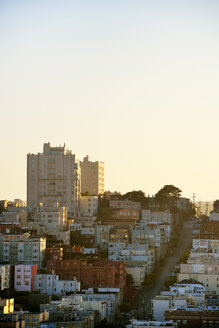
(132, 83)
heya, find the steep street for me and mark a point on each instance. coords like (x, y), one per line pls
(142, 303)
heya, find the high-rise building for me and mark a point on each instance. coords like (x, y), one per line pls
(92, 177)
(54, 176)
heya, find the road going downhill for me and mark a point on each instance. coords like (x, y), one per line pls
(141, 306)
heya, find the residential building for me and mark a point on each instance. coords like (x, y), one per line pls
(90, 274)
(89, 206)
(6, 306)
(85, 220)
(14, 215)
(160, 303)
(24, 277)
(53, 217)
(131, 252)
(74, 302)
(102, 233)
(125, 204)
(92, 177)
(5, 276)
(154, 234)
(33, 320)
(22, 249)
(149, 216)
(68, 318)
(194, 317)
(54, 176)
(119, 234)
(111, 296)
(11, 320)
(50, 284)
(209, 280)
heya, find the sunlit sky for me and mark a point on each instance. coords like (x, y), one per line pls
(132, 83)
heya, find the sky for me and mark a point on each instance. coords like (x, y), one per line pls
(132, 83)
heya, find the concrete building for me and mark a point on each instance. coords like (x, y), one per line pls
(24, 277)
(138, 271)
(91, 274)
(22, 249)
(102, 233)
(149, 216)
(125, 204)
(14, 215)
(72, 316)
(53, 217)
(111, 296)
(50, 284)
(131, 252)
(6, 306)
(160, 303)
(76, 302)
(88, 205)
(206, 245)
(5, 276)
(85, 220)
(154, 234)
(92, 177)
(54, 176)
(33, 320)
(209, 280)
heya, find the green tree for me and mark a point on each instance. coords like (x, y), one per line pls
(124, 307)
(75, 238)
(135, 196)
(185, 256)
(129, 280)
(86, 193)
(170, 281)
(167, 196)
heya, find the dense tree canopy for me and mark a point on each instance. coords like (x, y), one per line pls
(168, 195)
(135, 196)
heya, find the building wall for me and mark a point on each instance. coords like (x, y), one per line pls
(54, 176)
(160, 304)
(210, 281)
(6, 305)
(88, 205)
(137, 272)
(22, 249)
(96, 274)
(24, 277)
(50, 284)
(92, 177)
(53, 218)
(5, 275)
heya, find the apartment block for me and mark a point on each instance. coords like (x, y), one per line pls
(92, 177)
(53, 217)
(102, 233)
(50, 284)
(89, 273)
(22, 249)
(6, 305)
(88, 206)
(24, 277)
(5, 276)
(54, 176)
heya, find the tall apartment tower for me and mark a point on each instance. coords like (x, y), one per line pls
(54, 176)
(92, 177)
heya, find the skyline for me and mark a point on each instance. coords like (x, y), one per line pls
(132, 84)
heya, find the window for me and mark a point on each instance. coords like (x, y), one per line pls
(26, 283)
